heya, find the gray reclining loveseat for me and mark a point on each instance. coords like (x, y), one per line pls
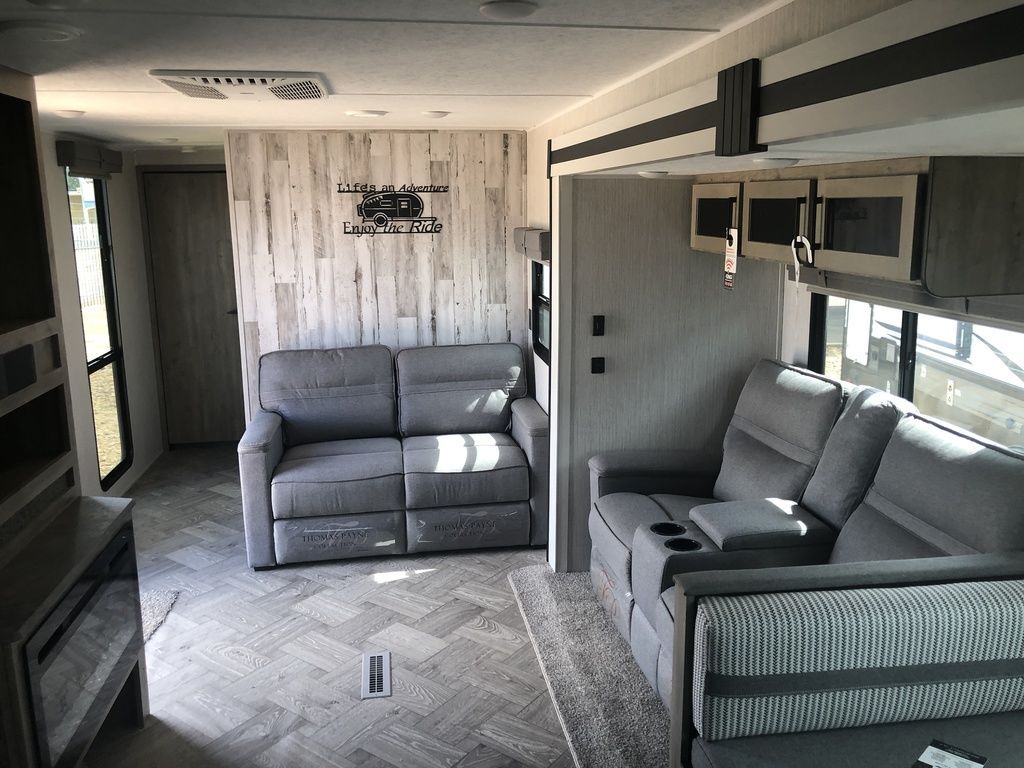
(355, 453)
(764, 660)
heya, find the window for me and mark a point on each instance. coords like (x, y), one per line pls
(973, 376)
(103, 352)
(862, 343)
(959, 371)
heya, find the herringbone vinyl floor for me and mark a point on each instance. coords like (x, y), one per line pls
(263, 668)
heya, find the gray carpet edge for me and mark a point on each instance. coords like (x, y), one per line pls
(156, 606)
(610, 714)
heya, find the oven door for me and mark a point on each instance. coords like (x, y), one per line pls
(81, 656)
(774, 214)
(870, 226)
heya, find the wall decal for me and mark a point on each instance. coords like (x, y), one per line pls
(387, 210)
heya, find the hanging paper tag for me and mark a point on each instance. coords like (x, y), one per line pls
(732, 237)
(940, 755)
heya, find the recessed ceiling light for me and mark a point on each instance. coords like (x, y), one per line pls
(39, 31)
(188, 150)
(437, 114)
(169, 140)
(366, 112)
(653, 174)
(508, 10)
(775, 162)
(69, 114)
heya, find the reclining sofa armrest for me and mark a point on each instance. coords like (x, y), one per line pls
(259, 452)
(686, 473)
(530, 431)
(692, 588)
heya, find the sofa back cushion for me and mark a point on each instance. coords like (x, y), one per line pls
(938, 491)
(777, 433)
(449, 390)
(808, 661)
(852, 453)
(330, 394)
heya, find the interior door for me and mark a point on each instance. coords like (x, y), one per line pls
(194, 294)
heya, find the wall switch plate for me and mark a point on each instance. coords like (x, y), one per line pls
(599, 325)
(597, 365)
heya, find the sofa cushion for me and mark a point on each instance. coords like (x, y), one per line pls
(614, 519)
(761, 524)
(342, 477)
(451, 390)
(330, 394)
(777, 432)
(455, 470)
(852, 453)
(999, 737)
(938, 491)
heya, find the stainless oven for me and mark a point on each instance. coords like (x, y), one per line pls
(715, 209)
(774, 214)
(870, 226)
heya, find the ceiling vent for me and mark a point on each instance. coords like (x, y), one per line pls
(250, 86)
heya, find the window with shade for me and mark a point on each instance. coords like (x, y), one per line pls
(98, 298)
(962, 372)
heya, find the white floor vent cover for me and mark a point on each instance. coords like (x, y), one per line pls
(376, 675)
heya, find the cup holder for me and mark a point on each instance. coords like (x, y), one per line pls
(682, 545)
(668, 529)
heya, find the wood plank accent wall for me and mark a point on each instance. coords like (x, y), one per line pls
(304, 283)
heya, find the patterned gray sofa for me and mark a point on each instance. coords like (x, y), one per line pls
(897, 621)
(355, 454)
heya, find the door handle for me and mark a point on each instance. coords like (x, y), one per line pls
(232, 312)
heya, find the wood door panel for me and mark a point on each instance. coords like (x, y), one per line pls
(194, 287)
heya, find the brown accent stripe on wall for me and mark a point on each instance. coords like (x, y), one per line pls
(978, 41)
(677, 124)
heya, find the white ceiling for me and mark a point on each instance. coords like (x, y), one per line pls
(404, 56)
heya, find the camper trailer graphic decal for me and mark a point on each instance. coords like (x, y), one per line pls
(387, 210)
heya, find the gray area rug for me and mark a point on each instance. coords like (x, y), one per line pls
(156, 604)
(610, 715)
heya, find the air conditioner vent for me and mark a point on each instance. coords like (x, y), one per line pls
(250, 86)
(303, 89)
(195, 90)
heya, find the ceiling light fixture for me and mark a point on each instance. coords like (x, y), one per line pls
(188, 150)
(69, 114)
(508, 10)
(437, 114)
(653, 174)
(366, 112)
(775, 162)
(39, 31)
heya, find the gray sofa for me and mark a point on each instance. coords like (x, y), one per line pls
(838, 652)
(355, 453)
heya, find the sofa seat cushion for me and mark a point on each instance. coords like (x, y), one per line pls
(761, 524)
(614, 519)
(999, 737)
(341, 477)
(455, 470)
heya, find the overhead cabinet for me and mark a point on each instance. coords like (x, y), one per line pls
(774, 214)
(870, 226)
(716, 209)
(975, 234)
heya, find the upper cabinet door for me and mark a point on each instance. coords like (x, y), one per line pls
(869, 226)
(774, 214)
(716, 208)
(975, 243)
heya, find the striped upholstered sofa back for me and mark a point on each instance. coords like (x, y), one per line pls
(809, 661)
